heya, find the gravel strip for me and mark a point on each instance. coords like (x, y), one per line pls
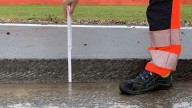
(86, 22)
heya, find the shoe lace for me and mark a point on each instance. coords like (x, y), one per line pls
(145, 75)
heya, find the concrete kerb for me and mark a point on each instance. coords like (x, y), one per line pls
(35, 53)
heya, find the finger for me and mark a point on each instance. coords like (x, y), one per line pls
(65, 4)
(73, 5)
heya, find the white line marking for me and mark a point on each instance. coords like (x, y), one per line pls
(80, 26)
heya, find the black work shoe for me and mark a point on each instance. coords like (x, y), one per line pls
(146, 82)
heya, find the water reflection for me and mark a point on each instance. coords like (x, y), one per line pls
(70, 90)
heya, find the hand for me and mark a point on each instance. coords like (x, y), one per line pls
(71, 3)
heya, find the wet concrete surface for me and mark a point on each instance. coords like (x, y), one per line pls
(55, 71)
(91, 95)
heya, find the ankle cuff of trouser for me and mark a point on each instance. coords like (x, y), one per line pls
(175, 49)
(156, 69)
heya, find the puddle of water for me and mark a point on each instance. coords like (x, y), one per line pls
(20, 105)
(182, 105)
(95, 95)
(29, 105)
(125, 106)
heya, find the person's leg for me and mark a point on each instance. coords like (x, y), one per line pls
(164, 22)
(163, 17)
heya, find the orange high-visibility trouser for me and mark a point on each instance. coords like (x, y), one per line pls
(164, 24)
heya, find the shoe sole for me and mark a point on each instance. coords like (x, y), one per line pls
(154, 88)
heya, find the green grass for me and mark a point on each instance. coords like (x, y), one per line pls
(128, 13)
(186, 13)
(55, 12)
(31, 12)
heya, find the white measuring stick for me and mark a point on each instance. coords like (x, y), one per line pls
(69, 41)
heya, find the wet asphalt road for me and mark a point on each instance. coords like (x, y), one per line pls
(91, 95)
